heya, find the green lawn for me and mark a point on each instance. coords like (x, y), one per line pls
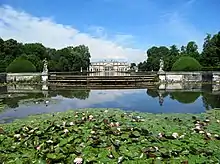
(112, 136)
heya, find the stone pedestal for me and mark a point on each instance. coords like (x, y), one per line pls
(216, 77)
(45, 87)
(162, 76)
(162, 86)
(215, 87)
(44, 78)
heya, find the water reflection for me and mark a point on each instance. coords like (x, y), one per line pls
(79, 94)
(210, 99)
(185, 97)
(154, 100)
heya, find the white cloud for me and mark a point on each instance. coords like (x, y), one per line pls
(25, 28)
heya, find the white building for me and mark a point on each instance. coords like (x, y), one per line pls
(109, 66)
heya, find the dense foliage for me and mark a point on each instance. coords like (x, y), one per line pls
(114, 137)
(20, 65)
(65, 59)
(209, 58)
(186, 63)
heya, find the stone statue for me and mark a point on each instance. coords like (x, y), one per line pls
(45, 69)
(161, 65)
(44, 76)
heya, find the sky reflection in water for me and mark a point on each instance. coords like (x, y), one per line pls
(132, 100)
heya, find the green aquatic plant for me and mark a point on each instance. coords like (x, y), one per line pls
(112, 136)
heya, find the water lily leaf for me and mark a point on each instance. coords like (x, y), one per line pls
(70, 139)
(77, 140)
(55, 156)
(136, 133)
(63, 142)
(41, 161)
(125, 136)
(39, 133)
(103, 154)
(51, 156)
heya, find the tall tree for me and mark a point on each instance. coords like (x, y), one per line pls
(211, 51)
(36, 53)
(11, 49)
(170, 59)
(66, 59)
(154, 55)
(192, 50)
(133, 65)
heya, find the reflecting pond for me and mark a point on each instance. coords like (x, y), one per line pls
(21, 101)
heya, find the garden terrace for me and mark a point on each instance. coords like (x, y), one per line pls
(83, 79)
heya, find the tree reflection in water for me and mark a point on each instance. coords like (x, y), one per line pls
(13, 100)
(185, 97)
(79, 94)
(209, 99)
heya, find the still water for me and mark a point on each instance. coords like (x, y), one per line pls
(17, 102)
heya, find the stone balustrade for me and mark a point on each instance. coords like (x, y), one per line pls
(187, 76)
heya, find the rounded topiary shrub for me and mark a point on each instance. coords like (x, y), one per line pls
(186, 63)
(21, 65)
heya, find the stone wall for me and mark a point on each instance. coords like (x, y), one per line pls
(15, 77)
(181, 86)
(216, 77)
(189, 76)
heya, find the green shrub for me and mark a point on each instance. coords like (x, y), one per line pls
(210, 68)
(186, 63)
(21, 65)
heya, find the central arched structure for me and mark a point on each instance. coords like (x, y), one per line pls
(109, 66)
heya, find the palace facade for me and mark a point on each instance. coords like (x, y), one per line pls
(109, 66)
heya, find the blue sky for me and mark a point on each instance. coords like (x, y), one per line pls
(129, 27)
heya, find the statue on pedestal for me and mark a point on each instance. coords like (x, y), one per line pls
(45, 69)
(44, 76)
(161, 65)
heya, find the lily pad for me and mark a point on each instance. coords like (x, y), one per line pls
(113, 137)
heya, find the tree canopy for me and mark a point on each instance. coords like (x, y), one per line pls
(209, 58)
(73, 58)
(59, 60)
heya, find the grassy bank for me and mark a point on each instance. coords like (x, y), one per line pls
(112, 136)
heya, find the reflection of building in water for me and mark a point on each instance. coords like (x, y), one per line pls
(107, 66)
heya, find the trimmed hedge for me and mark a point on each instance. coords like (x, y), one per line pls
(186, 63)
(20, 65)
(211, 68)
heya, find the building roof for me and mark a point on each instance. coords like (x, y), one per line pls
(109, 61)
